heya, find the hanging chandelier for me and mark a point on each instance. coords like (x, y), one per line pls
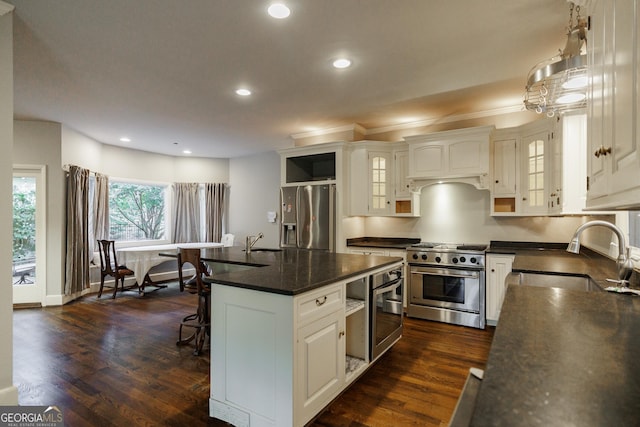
(559, 83)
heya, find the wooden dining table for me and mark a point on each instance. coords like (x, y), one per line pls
(140, 259)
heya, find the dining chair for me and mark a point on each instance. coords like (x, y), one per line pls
(200, 320)
(109, 266)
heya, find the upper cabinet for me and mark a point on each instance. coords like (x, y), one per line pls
(313, 164)
(526, 170)
(375, 175)
(451, 154)
(613, 107)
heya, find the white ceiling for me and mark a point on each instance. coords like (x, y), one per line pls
(164, 71)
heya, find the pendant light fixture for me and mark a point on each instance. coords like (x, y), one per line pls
(559, 84)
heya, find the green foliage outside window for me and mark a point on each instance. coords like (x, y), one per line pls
(24, 223)
(136, 212)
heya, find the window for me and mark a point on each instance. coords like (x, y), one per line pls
(137, 211)
(634, 228)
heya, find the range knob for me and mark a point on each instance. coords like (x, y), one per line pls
(454, 260)
(473, 260)
(415, 256)
(438, 259)
(463, 259)
(424, 257)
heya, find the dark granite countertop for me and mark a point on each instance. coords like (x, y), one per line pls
(291, 271)
(562, 358)
(552, 258)
(383, 242)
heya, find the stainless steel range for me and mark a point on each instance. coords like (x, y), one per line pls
(447, 283)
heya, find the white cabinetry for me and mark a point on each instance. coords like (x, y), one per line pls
(373, 185)
(278, 360)
(504, 165)
(498, 267)
(320, 349)
(613, 108)
(450, 154)
(407, 202)
(526, 170)
(541, 159)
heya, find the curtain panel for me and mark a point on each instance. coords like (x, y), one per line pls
(100, 210)
(77, 220)
(186, 209)
(215, 195)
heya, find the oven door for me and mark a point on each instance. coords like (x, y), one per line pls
(446, 288)
(386, 316)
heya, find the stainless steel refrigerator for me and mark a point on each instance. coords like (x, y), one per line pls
(307, 214)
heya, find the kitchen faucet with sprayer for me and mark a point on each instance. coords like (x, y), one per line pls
(624, 264)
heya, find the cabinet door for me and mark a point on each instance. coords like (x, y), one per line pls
(380, 183)
(320, 358)
(498, 267)
(613, 107)
(534, 172)
(401, 166)
(504, 167)
(428, 160)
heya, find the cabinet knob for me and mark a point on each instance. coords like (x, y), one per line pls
(497, 181)
(493, 270)
(341, 334)
(319, 301)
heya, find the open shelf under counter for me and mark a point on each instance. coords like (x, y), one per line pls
(353, 305)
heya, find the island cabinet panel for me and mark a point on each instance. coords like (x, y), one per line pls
(251, 344)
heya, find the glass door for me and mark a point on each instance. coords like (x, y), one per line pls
(28, 276)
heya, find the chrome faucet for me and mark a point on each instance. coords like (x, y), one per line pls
(624, 264)
(251, 240)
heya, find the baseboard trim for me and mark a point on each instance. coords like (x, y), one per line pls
(9, 396)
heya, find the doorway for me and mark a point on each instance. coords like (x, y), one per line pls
(29, 251)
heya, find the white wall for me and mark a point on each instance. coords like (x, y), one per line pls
(255, 190)
(120, 162)
(38, 143)
(8, 393)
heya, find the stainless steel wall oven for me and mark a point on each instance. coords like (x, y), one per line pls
(385, 310)
(447, 283)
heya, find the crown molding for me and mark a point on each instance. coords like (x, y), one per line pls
(5, 8)
(448, 119)
(352, 127)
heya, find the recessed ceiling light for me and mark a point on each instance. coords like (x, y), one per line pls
(243, 92)
(125, 139)
(278, 11)
(342, 63)
(186, 151)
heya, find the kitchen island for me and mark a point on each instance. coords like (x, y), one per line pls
(562, 358)
(290, 331)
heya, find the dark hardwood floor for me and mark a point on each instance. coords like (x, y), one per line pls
(114, 362)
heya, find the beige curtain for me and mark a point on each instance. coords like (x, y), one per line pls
(186, 209)
(100, 209)
(214, 206)
(77, 256)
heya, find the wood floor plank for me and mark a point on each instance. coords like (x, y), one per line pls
(109, 362)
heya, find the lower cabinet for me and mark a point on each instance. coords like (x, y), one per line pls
(498, 268)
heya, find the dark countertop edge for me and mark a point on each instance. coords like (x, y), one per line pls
(383, 242)
(296, 291)
(500, 246)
